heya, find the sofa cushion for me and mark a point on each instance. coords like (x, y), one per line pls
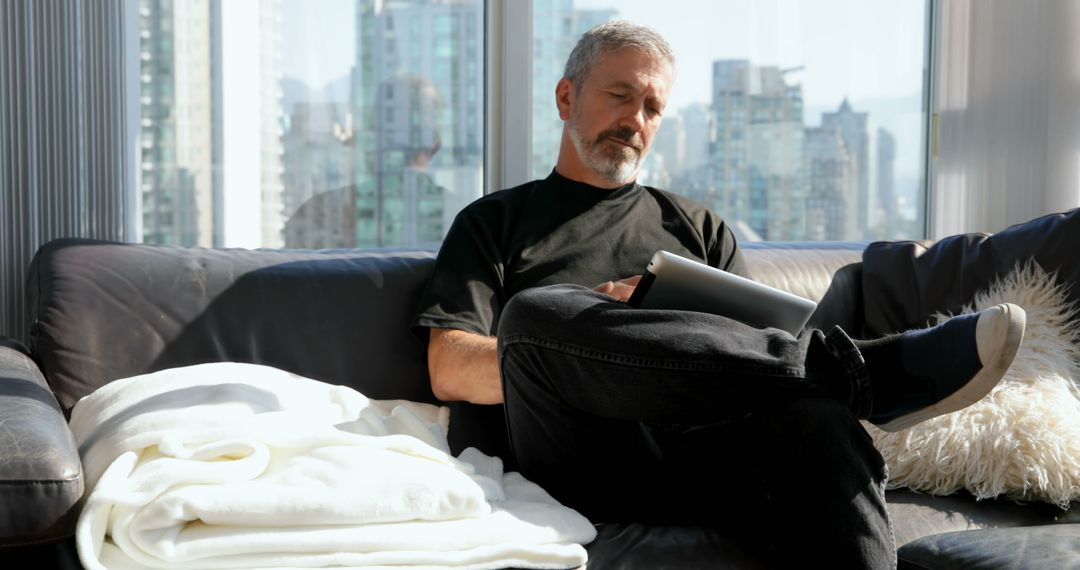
(102, 311)
(917, 515)
(1056, 546)
(829, 273)
(906, 282)
(41, 479)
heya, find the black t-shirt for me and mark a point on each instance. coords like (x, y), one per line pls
(558, 230)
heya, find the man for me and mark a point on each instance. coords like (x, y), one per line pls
(623, 413)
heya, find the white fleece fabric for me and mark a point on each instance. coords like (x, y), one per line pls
(1022, 441)
(232, 465)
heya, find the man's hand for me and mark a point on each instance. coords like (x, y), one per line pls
(621, 289)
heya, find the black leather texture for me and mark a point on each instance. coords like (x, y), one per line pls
(103, 311)
(906, 282)
(1042, 547)
(917, 515)
(40, 475)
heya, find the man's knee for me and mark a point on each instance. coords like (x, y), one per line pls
(541, 310)
(821, 425)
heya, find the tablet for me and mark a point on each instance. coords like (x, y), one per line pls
(674, 282)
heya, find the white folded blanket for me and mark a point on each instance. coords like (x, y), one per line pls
(243, 466)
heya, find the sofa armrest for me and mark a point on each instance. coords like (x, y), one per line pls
(41, 478)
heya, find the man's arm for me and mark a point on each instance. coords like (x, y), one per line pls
(464, 366)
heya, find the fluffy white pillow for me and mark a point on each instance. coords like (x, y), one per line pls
(1022, 441)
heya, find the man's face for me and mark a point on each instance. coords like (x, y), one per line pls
(616, 111)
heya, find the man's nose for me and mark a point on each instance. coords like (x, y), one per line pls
(634, 119)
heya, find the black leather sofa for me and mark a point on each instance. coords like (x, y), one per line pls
(102, 311)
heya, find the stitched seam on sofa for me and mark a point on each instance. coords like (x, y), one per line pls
(640, 362)
(9, 482)
(909, 564)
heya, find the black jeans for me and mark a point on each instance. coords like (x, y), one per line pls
(677, 417)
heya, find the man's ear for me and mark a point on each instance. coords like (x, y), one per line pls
(564, 95)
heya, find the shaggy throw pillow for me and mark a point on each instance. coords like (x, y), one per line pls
(1022, 441)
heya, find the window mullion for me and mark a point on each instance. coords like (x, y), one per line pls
(508, 93)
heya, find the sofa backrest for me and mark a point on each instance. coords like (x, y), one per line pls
(102, 311)
(827, 272)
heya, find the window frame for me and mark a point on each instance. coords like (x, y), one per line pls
(508, 83)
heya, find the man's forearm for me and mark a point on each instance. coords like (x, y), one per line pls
(464, 366)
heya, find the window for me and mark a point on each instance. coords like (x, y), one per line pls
(287, 123)
(794, 120)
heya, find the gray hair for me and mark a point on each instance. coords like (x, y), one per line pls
(609, 37)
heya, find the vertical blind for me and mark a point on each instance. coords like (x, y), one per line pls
(63, 166)
(1008, 102)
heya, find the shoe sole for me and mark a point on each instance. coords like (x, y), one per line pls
(1002, 337)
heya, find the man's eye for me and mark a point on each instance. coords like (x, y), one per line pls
(619, 96)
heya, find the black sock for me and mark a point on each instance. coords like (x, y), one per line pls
(919, 367)
(890, 380)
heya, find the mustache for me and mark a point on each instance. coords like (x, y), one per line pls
(623, 134)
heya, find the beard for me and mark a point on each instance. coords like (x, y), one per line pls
(609, 160)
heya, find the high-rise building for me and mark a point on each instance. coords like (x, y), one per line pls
(689, 171)
(177, 114)
(553, 38)
(181, 109)
(886, 177)
(557, 26)
(271, 112)
(697, 122)
(669, 145)
(417, 105)
(317, 181)
(831, 187)
(852, 128)
(316, 151)
(680, 153)
(756, 155)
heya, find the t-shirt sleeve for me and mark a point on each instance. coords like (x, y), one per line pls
(725, 253)
(466, 288)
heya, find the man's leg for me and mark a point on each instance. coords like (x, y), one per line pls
(589, 383)
(612, 361)
(826, 488)
(602, 357)
(594, 389)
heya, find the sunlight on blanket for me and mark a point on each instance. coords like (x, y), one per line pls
(238, 465)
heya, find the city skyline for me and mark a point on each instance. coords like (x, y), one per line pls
(396, 143)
